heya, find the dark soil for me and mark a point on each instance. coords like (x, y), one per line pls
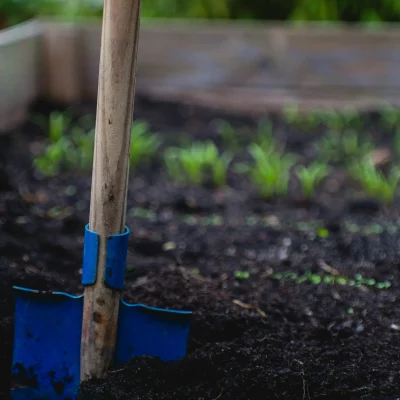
(258, 337)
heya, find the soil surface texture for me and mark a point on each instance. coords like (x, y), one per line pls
(291, 300)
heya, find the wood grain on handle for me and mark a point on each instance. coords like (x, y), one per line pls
(116, 88)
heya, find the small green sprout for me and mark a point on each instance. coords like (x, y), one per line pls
(197, 163)
(343, 147)
(310, 120)
(70, 146)
(265, 137)
(390, 117)
(374, 182)
(56, 126)
(329, 279)
(83, 145)
(229, 135)
(242, 275)
(212, 220)
(322, 233)
(144, 144)
(304, 121)
(54, 155)
(310, 177)
(270, 171)
(142, 213)
(348, 118)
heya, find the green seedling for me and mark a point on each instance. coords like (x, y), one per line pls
(374, 182)
(270, 171)
(347, 119)
(54, 156)
(142, 213)
(144, 144)
(229, 135)
(82, 144)
(265, 137)
(328, 279)
(306, 122)
(212, 220)
(219, 169)
(56, 126)
(198, 163)
(343, 148)
(390, 117)
(311, 120)
(310, 177)
(322, 233)
(64, 151)
(70, 146)
(242, 275)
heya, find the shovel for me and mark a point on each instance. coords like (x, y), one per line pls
(61, 340)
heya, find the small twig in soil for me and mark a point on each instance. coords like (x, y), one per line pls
(305, 389)
(327, 268)
(250, 307)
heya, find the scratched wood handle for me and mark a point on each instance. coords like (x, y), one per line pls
(119, 43)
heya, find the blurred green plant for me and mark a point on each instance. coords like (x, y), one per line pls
(330, 279)
(305, 122)
(68, 9)
(345, 147)
(70, 144)
(144, 144)
(242, 275)
(198, 163)
(370, 11)
(309, 121)
(204, 9)
(229, 135)
(13, 12)
(374, 182)
(390, 117)
(270, 170)
(310, 177)
(265, 136)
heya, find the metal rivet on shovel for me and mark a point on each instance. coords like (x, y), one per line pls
(60, 339)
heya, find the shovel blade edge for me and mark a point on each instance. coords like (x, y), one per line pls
(47, 337)
(46, 353)
(151, 331)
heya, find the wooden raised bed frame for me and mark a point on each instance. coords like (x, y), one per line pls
(240, 67)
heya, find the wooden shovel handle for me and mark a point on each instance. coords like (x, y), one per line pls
(119, 42)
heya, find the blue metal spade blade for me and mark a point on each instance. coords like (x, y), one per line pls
(46, 359)
(47, 337)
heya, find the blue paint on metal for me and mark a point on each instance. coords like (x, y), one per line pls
(47, 337)
(116, 252)
(46, 356)
(90, 257)
(151, 331)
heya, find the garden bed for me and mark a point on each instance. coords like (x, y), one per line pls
(292, 299)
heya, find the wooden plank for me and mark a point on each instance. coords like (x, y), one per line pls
(354, 58)
(268, 63)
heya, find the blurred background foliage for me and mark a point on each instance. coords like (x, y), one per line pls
(14, 11)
